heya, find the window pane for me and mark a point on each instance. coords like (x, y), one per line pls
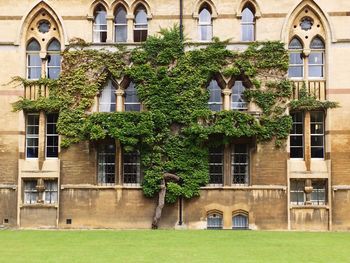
(131, 101)
(295, 44)
(295, 71)
(216, 165)
(238, 100)
(247, 15)
(120, 33)
(106, 162)
(33, 46)
(131, 168)
(54, 46)
(204, 16)
(141, 16)
(107, 100)
(317, 43)
(317, 152)
(295, 58)
(215, 99)
(214, 221)
(248, 32)
(120, 17)
(205, 32)
(240, 222)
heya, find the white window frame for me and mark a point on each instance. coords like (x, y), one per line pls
(318, 135)
(32, 136)
(116, 25)
(51, 135)
(96, 28)
(28, 53)
(298, 135)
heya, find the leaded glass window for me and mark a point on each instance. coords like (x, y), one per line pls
(317, 134)
(205, 24)
(106, 163)
(215, 99)
(238, 100)
(248, 24)
(316, 58)
(51, 189)
(131, 168)
(296, 62)
(318, 195)
(32, 135)
(33, 60)
(107, 99)
(131, 101)
(53, 59)
(240, 164)
(297, 194)
(216, 165)
(51, 135)
(120, 25)
(100, 25)
(30, 192)
(297, 135)
(140, 24)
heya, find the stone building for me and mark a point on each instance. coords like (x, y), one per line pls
(304, 186)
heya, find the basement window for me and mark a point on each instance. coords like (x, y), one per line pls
(214, 220)
(240, 222)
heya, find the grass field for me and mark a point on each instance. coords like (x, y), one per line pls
(172, 246)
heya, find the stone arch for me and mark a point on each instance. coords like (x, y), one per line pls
(145, 4)
(97, 3)
(253, 3)
(200, 3)
(32, 17)
(118, 3)
(316, 12)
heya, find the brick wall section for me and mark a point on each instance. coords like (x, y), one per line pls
(341, 210)
(340, 156)
(8, 159)
(269, 165)
(78, 164)
(8, 204)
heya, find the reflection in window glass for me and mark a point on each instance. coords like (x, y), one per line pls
(216, 165)
(215, 99)
(100, 25)
(120, 25)
(296, 67)
(107, 100)
(32, 135)
(214, 221)
(51, 135)
(106, 163)
(205, 24)
(53, 60)
(296, 136)
(131, 101)
(238, 100)
(131, 168)
(240, 222)
(140, 24)
(317, 134)
(33, 60)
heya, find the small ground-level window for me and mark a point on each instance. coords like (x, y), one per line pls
(240, 221)
(214, 221)
(30, 192)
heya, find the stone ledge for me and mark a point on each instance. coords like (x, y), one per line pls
(246, 187)
(8, 186)
(341, 187)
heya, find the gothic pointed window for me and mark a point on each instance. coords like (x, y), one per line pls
(316, 58)
(33, 60)
(248, 24)
(107, 100)
(238, 101)
(100, 25)
(53, 59)
(205, 23)
(296, 62)
(131, 101)
(120, 25)
(140, 24)
(215, 99)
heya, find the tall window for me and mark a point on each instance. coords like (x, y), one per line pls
(131, 168)
(140, 24)
(120, 25)
(50, 193)
(238, 100)
(51, 135)
(33, 60)
(240, 164)
(248, 24)
(316, 58)
(296, 64)
(216, 165)
(107, 98)
(240, 222)
(214, 220)
(106, 163)
(100, 25)
(30, 192)
(131, 100)
(318, 195)
(297, 136)
(215, 99)
(32, 135)
(317, 134)
(297, 194)
(53, 59)
(205, 24)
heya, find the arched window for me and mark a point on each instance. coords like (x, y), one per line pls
(214, 220)
(131, 101)
(248, 23)
(120, 25)
(140, 24)
(215, 99)
(53, 59)
(240, 221)
(316, 58)
(100, 25)
(107, 98)
(33, 60)
(296, 63)
(238, 100)
(205, 23)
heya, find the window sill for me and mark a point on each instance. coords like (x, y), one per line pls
(245, 187)
(38, 205)
(91, 186)
(309, 206)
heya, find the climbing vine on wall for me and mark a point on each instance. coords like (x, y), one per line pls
(173, 133)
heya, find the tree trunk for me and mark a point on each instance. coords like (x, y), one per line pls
(161, 198)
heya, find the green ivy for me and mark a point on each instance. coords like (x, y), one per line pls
(175, 131)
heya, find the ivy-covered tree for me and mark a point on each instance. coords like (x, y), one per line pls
(173, 133)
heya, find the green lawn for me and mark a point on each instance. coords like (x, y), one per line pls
(172, 246)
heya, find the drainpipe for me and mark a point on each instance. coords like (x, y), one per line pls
(181, 18)
(180, 211)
